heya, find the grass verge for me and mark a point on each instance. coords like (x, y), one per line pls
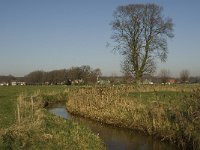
(35, 128)
(8, 96)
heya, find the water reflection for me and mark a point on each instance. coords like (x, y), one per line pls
(113, 137)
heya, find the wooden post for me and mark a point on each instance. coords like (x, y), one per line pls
(32, 104)
(18, 113)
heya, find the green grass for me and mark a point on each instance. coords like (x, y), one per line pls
(8, 96)
(171, 113)
(50, 132)
(27, 125)
(7, 105)
(161, 96)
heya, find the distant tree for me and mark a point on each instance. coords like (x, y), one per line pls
(74, 73)
(96, 74)
(127, 78)
(141, 33)
(89, 75)
(59, 76)
(194, 79)
(164, 75)
(184, 75)
(35, 77)
(85, 72)
(7, 79)
(49, 77)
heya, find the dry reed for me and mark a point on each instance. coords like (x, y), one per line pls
(172, 121)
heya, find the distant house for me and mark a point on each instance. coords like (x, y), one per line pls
(103, 82)
(171, 81)
(13, 83)
(21, 83)
(4, 84)
(146, 81)
(76, 82)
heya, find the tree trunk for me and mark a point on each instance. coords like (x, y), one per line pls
(138, 77)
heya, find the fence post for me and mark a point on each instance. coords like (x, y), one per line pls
(18, 113)
(32, 104)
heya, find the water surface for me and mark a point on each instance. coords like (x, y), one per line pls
(115, 138)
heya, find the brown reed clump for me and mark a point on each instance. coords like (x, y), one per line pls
(175, 120)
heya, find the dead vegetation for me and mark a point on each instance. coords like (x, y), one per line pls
(174, 118)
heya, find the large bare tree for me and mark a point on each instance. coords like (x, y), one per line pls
(141, 33)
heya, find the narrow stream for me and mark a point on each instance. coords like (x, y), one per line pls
(113, 137)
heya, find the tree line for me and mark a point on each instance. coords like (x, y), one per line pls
(87, 75)
(80, 75)
(7, 79)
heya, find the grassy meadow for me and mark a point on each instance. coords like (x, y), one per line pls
(25, 124)
(171, 112)
(8, 96)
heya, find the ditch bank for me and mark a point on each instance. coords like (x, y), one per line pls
(174, 121)
(114, 138)
(36, 128)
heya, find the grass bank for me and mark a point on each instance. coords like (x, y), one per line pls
(35, 128)
(8, 96)
(171, 113)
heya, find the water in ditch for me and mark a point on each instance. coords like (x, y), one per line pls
(115, 138)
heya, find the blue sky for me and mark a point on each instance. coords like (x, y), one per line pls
(56, 34)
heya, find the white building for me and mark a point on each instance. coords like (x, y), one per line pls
(4, 84)
(13, 83)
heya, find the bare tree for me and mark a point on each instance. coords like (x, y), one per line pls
(35, 77)
(141, 33)
(184, 76)
(7, 79)
(164, 75)
(86, 73)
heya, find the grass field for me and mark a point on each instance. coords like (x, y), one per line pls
(174, 97)
(25, 124)
(169, 112)
(8, 96)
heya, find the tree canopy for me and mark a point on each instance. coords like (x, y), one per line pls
(141, 32)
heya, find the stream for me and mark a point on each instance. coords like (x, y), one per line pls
(115, 138)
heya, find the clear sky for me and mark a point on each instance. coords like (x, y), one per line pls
(56, 34)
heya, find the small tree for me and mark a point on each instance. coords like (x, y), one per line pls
(164, 76)
(184, 76)
(141, 33)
